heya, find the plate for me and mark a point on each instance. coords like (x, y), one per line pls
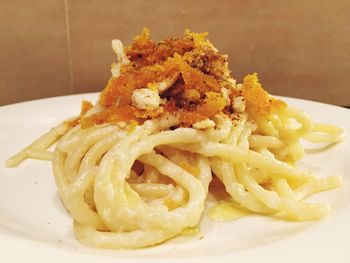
(34, 224)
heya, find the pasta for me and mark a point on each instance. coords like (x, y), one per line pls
(134, 169)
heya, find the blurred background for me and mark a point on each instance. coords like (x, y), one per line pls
(58, 47)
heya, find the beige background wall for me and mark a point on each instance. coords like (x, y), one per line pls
(57, 47)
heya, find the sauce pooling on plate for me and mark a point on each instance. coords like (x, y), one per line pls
(226, 211)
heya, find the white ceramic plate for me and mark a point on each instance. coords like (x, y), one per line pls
(35, 226)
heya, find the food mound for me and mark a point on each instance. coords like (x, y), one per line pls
(170, 127)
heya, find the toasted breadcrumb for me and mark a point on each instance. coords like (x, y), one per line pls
(191, 95)
(258, 101)
(185, 77)
(85, 107)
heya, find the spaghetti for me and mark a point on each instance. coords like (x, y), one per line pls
(134, 169)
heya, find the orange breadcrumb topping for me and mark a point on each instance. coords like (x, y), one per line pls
(257, 99)
(195, 79)
(144, 51)
(85, 107)
(123, 86)
(187, 76)
(212, 105)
